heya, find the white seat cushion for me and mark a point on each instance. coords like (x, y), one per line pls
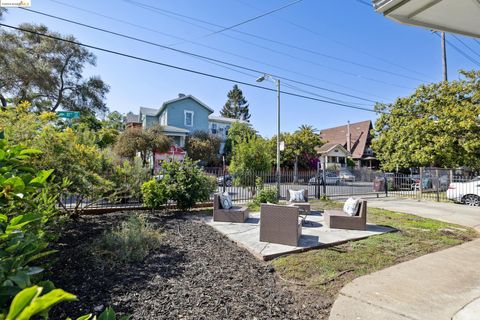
(297, 195)
(351, 206)
(226, 201)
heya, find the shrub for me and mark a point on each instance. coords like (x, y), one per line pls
(186, 183)
(131, 242)
(264, 194)
(154, 194)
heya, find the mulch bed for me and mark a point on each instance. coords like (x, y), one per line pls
(196, 274)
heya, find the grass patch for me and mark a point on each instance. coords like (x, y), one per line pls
(131, 242)
(328, 270)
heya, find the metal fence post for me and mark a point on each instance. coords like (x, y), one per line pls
(421, 183)
(386, 185)
(437, 185)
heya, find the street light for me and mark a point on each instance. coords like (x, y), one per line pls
(260, 79)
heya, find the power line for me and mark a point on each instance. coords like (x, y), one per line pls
(321, 35)
(465, 45)
(197, 55)
(201, 73)
(169, 13)
(460, 51)
(215, 49)
(252, 19)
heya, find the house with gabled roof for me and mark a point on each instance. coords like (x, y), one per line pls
(181, 116)
(356, 139)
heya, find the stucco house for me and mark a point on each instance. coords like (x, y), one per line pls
(181, 116)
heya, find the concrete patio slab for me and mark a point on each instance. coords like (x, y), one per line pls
(314, 235)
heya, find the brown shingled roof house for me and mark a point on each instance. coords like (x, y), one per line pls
(359, 145)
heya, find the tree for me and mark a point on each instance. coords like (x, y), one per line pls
(250, 157)
(203, 146)
(136, 140)
(438, 125)
(236, 106)
(238, 132)
(48, 72)
(114, 120)
(299, 148)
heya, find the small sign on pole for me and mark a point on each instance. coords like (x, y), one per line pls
(68, 114)
(282, 145)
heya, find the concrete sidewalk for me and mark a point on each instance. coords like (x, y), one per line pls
(448, 212)
(440, 285)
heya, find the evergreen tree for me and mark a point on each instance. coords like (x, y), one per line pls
(236, 106)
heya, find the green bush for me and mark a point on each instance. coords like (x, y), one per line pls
(264, 194)
(131, 242)
(25, 211)
(154, 194)
(186, 183)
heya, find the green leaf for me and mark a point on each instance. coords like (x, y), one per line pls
(2, 154)
(22, 300)
(85, 317)
(41, 177)
(21, 279)
(45, 302)
(30, 151)
(108, 314)
(16, 183)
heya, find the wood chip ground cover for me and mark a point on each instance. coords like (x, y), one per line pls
(195, 274)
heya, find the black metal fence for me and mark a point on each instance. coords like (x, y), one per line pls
(319, 184)
(428, 183)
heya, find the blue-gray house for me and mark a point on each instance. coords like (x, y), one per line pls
(180, 117)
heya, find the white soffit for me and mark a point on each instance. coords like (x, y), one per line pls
(455, 16)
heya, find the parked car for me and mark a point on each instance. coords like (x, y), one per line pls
(465, 192)
(228, 180)
(346, 175)
(330, 178)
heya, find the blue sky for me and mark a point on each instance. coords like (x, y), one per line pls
(344, 29)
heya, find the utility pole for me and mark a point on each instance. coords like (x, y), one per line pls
(444, 58)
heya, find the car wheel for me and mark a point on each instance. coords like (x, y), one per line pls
(229, 183)
(471, 200)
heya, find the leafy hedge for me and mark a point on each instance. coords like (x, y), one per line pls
(182, 182)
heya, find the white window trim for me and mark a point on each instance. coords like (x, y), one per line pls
(185, 117)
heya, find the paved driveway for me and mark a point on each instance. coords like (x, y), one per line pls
(448, 212)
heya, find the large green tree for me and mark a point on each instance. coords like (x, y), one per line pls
(203, 146)
(48, 72)
(250, 158)
(236, 106)
(238, 132)
(438, 125)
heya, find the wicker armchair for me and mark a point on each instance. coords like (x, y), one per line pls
(280, 224)
(340, 220)
(235, 214)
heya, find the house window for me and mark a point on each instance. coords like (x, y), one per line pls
(188, 118)
(214, 128)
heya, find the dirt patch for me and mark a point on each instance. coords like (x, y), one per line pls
(196, 274)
